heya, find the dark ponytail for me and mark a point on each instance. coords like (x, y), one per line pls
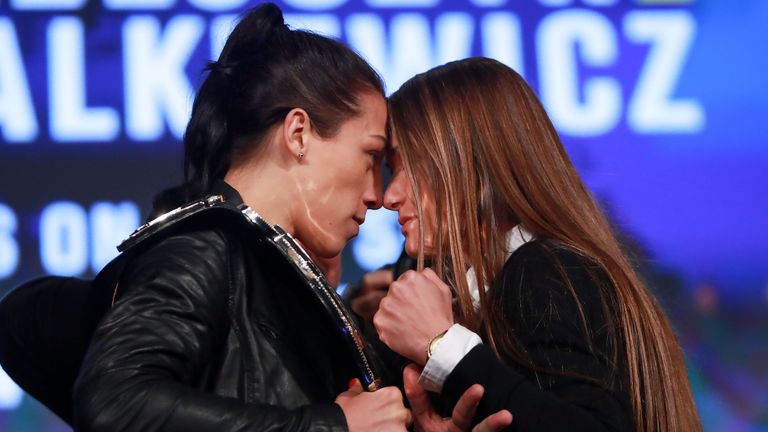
(265, 70)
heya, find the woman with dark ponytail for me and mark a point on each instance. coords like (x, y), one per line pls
(196, 328)
(203, 335)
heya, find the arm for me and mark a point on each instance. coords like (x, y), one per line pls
(543, 314)
(141, 369)
(41, 320)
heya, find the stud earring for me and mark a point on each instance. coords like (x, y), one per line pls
(301, 156)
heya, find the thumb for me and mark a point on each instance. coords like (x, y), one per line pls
(415, 393)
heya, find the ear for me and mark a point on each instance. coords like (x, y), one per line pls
(297, 129)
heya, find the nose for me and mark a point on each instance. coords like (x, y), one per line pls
(373, 195)
(394, 195)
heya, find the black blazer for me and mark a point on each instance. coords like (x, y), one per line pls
(541, 312)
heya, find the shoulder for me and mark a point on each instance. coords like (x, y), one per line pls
(547, 255)
(548, 260)
(544, 277)
(204, 246)
(192, 262)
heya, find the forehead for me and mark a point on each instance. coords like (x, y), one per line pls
(373, 113)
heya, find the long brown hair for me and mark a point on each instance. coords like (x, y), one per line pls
(477, 137)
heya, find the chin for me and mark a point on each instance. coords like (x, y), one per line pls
(328, 252)
(331, 248)
(411, 248)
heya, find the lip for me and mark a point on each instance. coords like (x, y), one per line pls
(359, 220)
(402, 220)
(404, 224)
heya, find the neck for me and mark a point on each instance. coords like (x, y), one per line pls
(267, 189)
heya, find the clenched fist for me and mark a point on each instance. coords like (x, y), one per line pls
(416, 309)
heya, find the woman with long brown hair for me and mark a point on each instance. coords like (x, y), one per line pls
(531, 294)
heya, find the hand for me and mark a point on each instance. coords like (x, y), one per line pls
(416, 309)
(425, 419)
(374, 287)
(382, 410)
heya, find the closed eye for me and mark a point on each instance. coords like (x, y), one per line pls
(376, 155)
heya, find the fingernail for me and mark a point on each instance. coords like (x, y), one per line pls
(352, 382)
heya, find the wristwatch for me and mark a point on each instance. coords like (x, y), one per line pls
(432, 346)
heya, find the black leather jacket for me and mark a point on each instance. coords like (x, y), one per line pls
(209, 334)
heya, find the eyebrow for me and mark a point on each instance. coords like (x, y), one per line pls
(382, 142)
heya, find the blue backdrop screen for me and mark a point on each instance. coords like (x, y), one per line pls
(662, 105)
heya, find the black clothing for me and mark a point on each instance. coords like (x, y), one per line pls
(207, 333)
(540, 310)
(45, 328)
(391, 364)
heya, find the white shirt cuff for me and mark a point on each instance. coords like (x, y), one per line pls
(456, 343)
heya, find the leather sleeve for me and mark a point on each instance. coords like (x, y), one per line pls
(578, 388)
(149, 350)
(41, 320)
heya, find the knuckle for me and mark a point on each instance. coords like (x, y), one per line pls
(383, 303)
(395, 286)
(405, 415)
(398, 288)
(393, 393)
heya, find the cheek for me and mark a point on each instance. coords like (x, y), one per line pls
(354, 178)
(340, 189)
(343, 197)
(325, 230)
(430, 221)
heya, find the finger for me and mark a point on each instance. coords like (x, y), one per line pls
(494, 422)
(415, 393)
(369, 301)
(465, 408)
(367, 304)
(377, 280)
(380, 315)
(408, 275)
(355, 386)
(408, 417)
(394, 288)
(433, 277)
